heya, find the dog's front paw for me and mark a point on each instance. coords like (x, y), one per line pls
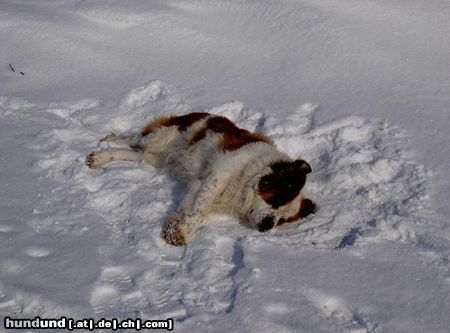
(173, 234)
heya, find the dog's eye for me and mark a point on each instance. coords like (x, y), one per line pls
(264, 184)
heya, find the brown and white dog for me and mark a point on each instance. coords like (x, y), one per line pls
(227, 170)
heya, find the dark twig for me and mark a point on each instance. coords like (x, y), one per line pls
(12, 68)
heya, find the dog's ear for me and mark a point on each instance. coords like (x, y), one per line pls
(301, 166)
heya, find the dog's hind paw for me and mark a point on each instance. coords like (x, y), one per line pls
(96, 160)
(110, 137)
(92, 161)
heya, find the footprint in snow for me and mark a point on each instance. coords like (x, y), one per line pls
(115, 293)
(337, 309)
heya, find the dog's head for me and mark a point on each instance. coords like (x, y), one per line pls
(277, 194)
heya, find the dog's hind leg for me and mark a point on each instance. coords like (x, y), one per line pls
(98, 159)
(159, 145)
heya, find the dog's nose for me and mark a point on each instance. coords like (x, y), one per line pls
(266, 224)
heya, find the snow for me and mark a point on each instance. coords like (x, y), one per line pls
(359, 89)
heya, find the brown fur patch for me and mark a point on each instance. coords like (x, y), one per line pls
(182, 122)
(307, 207)
(233, 137)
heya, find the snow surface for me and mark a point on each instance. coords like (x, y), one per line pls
(357, 88)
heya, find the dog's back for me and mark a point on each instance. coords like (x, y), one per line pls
(188, 144)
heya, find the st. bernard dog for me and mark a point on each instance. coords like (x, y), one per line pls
(227, 170)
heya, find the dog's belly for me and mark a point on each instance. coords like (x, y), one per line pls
(188, 162)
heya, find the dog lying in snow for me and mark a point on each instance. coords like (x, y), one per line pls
(227, 170)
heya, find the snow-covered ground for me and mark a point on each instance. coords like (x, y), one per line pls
(359, 89)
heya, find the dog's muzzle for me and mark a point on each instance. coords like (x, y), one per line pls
(267, 223)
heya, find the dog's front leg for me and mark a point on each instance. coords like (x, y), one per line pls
(192, 212)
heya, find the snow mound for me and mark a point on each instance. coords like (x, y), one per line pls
(144, 94)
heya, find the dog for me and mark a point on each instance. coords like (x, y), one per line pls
(227, 170)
